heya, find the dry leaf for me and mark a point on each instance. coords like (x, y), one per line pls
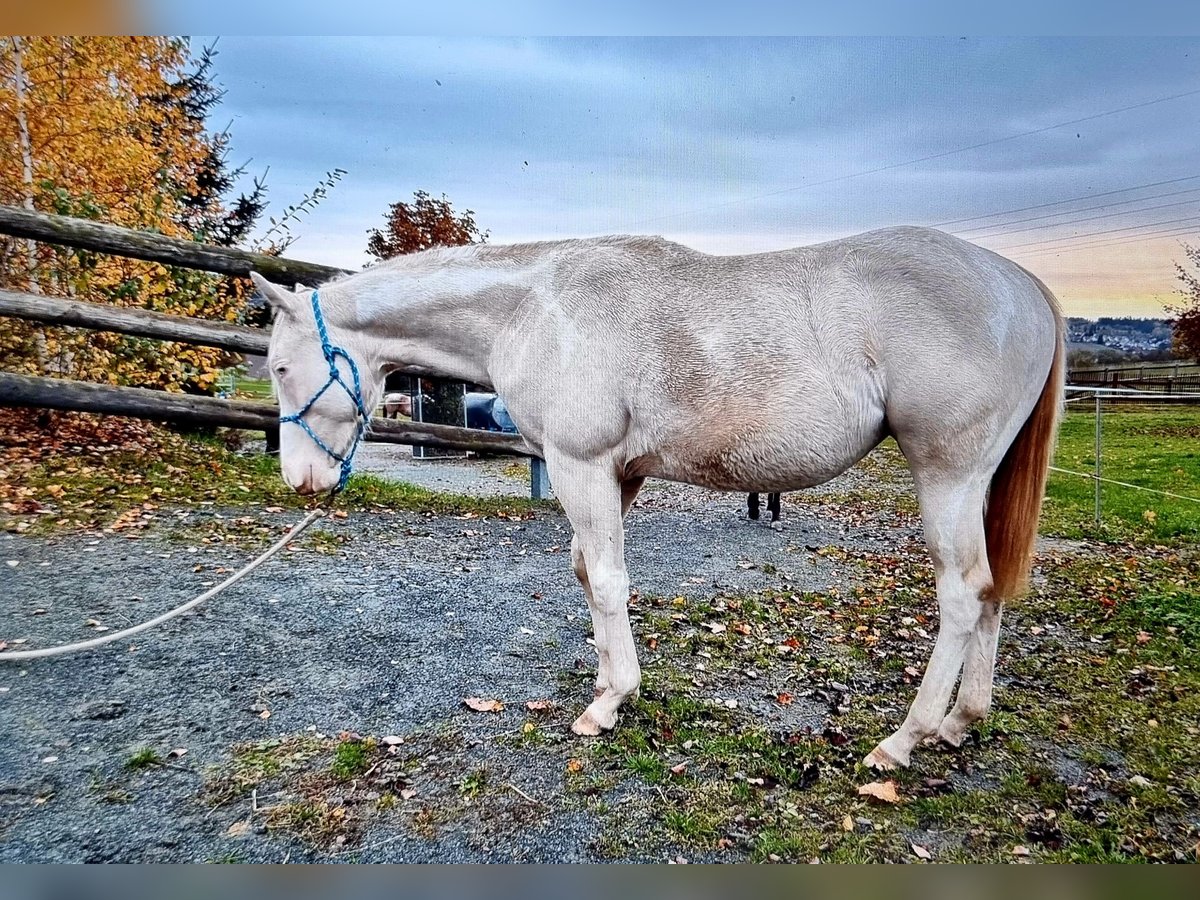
(539, 705)
(847, 824)
(408, 794)
(1143, 637)
(265, 714)
(1020, 850)
(714, 627)
(884, 791)
(679, 769)
(784, 698)
(238, 829)
(481, 705)
(921, 852)
(574, 766)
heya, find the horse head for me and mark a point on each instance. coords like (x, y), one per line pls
(325, 382)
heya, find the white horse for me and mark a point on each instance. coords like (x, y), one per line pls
(768, 372)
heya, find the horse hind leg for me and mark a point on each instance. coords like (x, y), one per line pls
(773, 506)
(975, 690)
(952, 512)
(753, 504)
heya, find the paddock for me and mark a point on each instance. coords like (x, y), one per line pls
(321, 703)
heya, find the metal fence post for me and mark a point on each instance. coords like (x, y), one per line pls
(539, 479)
(1098, 448)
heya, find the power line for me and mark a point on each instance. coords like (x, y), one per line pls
(1096, 233)
(1006, 212)
(1115, 242)
(1124, 212)
(1082, 209)
(921, 159)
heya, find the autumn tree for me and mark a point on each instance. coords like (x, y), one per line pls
(1187, 313)
(422, 224)
(115, 129)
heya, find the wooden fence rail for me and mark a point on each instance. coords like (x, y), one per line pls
(95, 236)
(145, 323)
(82, 396)
(20, 390)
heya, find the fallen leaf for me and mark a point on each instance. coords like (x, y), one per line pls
(238, 829)
(921, 852)
(265, 714)
(481, 705)
(407, 793)
(1019, 850)
(679, 769)
(714, 627)
(848, 824)
(784, 698)
(884, 791)
(1143, 637)
(539, 705)
(574, 766)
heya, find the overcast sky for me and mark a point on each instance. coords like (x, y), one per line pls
(742, 145)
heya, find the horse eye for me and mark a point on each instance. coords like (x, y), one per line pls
(281, 371)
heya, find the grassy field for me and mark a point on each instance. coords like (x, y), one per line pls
(1157, 449)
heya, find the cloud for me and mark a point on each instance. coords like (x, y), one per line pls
(722, 141)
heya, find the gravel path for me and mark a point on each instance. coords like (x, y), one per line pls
(383, 636)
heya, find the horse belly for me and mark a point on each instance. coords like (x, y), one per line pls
(734, 456)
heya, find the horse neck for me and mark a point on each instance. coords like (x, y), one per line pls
(438, 314)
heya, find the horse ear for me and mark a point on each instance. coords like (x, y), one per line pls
(276, 296)
(302, 288)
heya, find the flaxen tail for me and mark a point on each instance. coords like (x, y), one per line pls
(1015, 499)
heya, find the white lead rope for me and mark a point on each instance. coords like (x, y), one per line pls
(177, 611)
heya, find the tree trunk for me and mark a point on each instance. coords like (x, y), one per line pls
(26, 147)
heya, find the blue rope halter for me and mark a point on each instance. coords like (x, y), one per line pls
(362, 417)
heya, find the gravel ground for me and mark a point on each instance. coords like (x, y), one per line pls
(384, 635)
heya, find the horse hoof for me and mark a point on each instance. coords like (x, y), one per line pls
(951, 732)
(882, 760)
(586, 726)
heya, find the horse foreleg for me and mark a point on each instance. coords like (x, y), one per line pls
(592, 499)
(629, 491)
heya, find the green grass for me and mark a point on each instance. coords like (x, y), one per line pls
(143, 758)
(79, 487)
(351, 758)
(1153, 449)
(252, 388)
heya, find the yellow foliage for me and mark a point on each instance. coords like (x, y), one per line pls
(98, 128)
